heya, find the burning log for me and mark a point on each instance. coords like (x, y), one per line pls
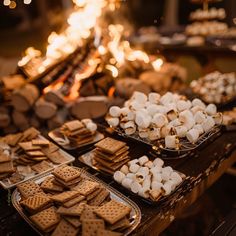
(45, 110)
(24, 98)
(90, 107)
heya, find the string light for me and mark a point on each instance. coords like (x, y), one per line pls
(27, 2)
(6, 2)
(12, 3)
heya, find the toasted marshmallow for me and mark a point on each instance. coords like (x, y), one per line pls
(218, 118)
(154, 134)
(125, 169)
(113, 122)
(208, 124)
(134, 168)
(142, 160)
(149, 164)
(115, 111)
(181, 131)
(143, 133)
(159, 120)
(171, 141)
(199, 117)
(172, 115)
(156, 185)
(192, 135)
(154, 98)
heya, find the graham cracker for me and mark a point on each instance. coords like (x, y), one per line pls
(111, 156)
(35, 153)
(66, 173)
(51, 148)
(40, 142)
(69, 184)
(41, 167)
(94, 193)
(16, 177)
(107, 233)
(75, 221)
(74, 125)
(121, 224)
(30, 134)
(110, 145)
(28, 146)
(28, 189)
(88, 213)
(49, 185)
(7, 167)
(100, 198)
(64, 228)
(75, 210)
(13, 139)
(90, 227)
(74, 201)
(56, 157)
(64, 196)
(113, 211)
(86, 187)
(46, 220)
(4, 158)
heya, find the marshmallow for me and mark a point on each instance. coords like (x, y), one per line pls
(127, 182)
(187, 118)
(130, 131)
(181, 131)
(183, 105)
(218, 118)
(167, 169)
(175, 122)
(167, 98)
(139, 97)
(208, 124)
(199, 117)
(130, 115)
(154, 134)
(115, 111)
(172, 184)
(211, 109)
(131, 176)
(129, 124)
(135, 105)
(155, 169)
(154, 98)
(86, 121)
(157, 177)
(134, 168)
(156, 185)
(165, 176)
(143, 193)
(198, 102)
(147, 182)
(144, 170)
(142, 160)
(136, 187)
(143, 133)
(125, 169)
(167, 188)
(119, 176)
(158, 162)
(159, 120)
(134, 161)
(152, 109)
(196, 109)
(172, 115)
(142, 121)
(171, 141)
(140, 177)
(149, 164)
(91, 127)
(166, 130)
(199, 128)
(176, 178)
(192, 135)
(124, 111)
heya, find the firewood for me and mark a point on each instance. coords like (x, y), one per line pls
(13, 81)
(34, 121)
(4, 120)
(58, 120)
(20, 120)
(24, 98)
(45, 110)
(89, 108)
(54, 97)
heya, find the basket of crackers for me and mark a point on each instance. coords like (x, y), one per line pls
(27, 155)
(76, 134)
(170, 123)
(69, 201)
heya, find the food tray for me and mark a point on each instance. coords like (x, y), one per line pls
(185, 145)
(135, 215)
(87, 159)
(6, 185)
(57, 134)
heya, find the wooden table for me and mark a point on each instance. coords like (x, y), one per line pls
(203, 167)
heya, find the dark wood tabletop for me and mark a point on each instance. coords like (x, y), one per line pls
(202, 167)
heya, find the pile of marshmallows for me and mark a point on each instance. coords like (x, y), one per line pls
(215, 87)
(169, 117)
(148, 179)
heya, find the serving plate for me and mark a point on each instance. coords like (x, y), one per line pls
(56, 134)
(135, 215)
(7, 185)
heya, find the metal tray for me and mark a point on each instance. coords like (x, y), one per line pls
(185, 145)
(6, 185)
(54, 134)
(135, 215)
(87, 159)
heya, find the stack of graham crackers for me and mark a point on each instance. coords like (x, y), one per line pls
(6, 165)
(77, 132)
(110, 154)
(83, 208)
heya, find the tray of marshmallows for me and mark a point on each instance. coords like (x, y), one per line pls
(76, 133)
(150, 180)
(215, 87)
(167, 123)
(69, 201)
(27, 155)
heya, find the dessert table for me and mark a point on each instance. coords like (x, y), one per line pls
(202, 168)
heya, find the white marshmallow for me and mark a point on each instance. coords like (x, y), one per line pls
(147, 182)
(167, 188)
(183, 105)
(129, 124)
(208, 124)
(175, 123)
(192, 135)
(157, 177)
(119, 176)
(199, 128)
(124, 111)
(198, 102)
(134, 168)
(115, 111)
(159, 120)
(165, 176)
(158, 162)
(91, 127)
(196, 109)
(140, 97)
(155, 169)
(136, 187)
(149, 164)
(181, 131)
(134, 161)
(86, 121)
(172, 115)
(211, 109)
(154, 98)
(142, 160)
(135, 105)
(167, 169)
(172, 184)
(143, 193)
(131, 176)
(152, 109)
(199, 117)
(125, 169)
(143, 133)
(176, 178)
(126, 182)
(130, 131)
(142, 121)
(144, 170)
(131, 116)
(167, 98)
(156, 185)
(171, 141)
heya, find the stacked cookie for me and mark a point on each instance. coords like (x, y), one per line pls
(110, 154)
(78, 132)
(166, 119)
(6, 165)
(149, 179)
(62, 207)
